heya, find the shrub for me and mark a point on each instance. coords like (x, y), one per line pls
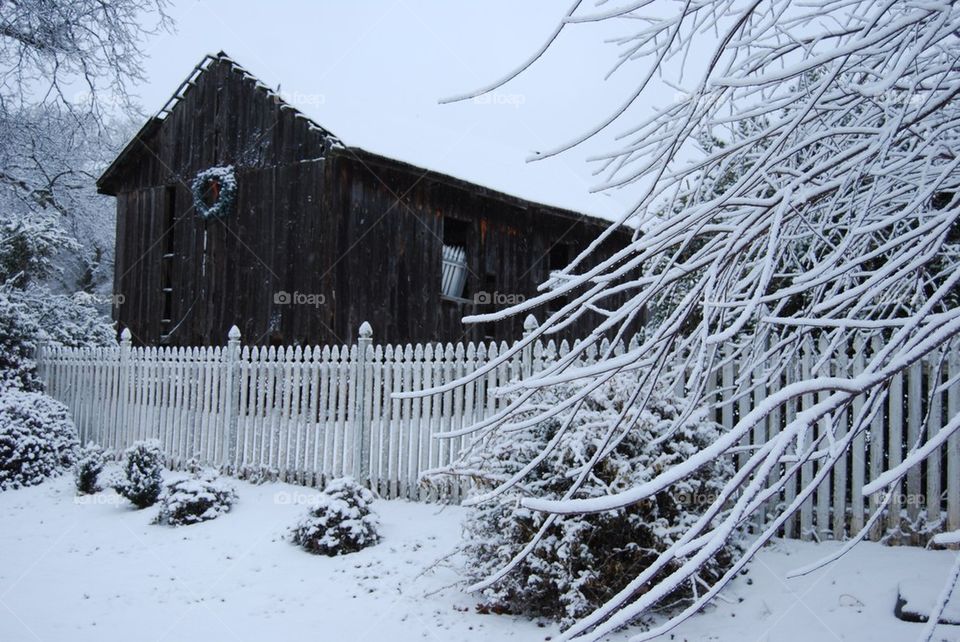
(340, 522)
(90, 463)
(33, 316)
(143, 463)
(194, 500)
(37, 438)
(258, 473)
(584, 560)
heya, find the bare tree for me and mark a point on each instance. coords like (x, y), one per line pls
(65, 73)
(802, 184)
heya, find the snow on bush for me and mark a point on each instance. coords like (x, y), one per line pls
(198, 499)
(584, 560)
(37, 438)
(142, 465)
(90, 462)
(33, 316)
(258, 473)
(340, 521)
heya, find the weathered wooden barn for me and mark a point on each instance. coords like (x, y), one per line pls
(305, 237)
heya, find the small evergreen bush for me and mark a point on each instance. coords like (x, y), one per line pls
(198, 499)
(340, 522)
(142, 467)
(37, 438)
(584, 560)
(90, 463)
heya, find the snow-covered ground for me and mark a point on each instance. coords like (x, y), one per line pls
(95, 569)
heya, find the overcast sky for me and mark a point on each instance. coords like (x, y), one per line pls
(372, 73)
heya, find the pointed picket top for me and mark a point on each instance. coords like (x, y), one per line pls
(481, 352)
(366, 331)
(298, 353)
(418, 353)
(471, 351)
(530, 324)
(408, 352)
(564, 348)
(458, 352)
(605, 346)
(325, 353)
(378, 352)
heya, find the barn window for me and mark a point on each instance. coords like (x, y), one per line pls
(454, 258)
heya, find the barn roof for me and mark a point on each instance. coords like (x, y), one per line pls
(513, 191)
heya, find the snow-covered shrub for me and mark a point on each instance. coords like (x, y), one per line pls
(90, 462)
(37, 438)
(340, 521)
(142, 467)
(197, 499)
(584, 560)
(33, 316)
(258, 473)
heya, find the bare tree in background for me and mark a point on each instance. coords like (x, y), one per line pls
(802, 184)
(66, 67)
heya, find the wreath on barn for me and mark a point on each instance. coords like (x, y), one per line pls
(214, 191)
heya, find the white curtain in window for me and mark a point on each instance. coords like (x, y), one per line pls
(454, 275)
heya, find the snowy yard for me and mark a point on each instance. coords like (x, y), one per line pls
(98, 570)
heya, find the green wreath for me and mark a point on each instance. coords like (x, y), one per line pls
(214, 192)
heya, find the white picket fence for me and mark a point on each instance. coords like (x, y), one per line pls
(317, 413)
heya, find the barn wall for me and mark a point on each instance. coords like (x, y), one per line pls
(391, 274)
(313, 247)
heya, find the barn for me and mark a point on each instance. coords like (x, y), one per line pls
(234, 208)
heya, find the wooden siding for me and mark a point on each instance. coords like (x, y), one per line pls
(347, 235)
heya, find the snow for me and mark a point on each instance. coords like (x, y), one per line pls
(92, 568)
(919, 598)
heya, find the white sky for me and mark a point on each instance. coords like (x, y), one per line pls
(372, 72)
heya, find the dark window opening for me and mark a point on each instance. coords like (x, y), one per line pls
(559, 257)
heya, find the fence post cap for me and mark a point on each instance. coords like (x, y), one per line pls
(530, 323)
(234, 333)
(126, 335)
(366, 330)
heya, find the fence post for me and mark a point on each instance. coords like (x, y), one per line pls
(231, 361)
(526, 364)
(361, 463)
(123, 422)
